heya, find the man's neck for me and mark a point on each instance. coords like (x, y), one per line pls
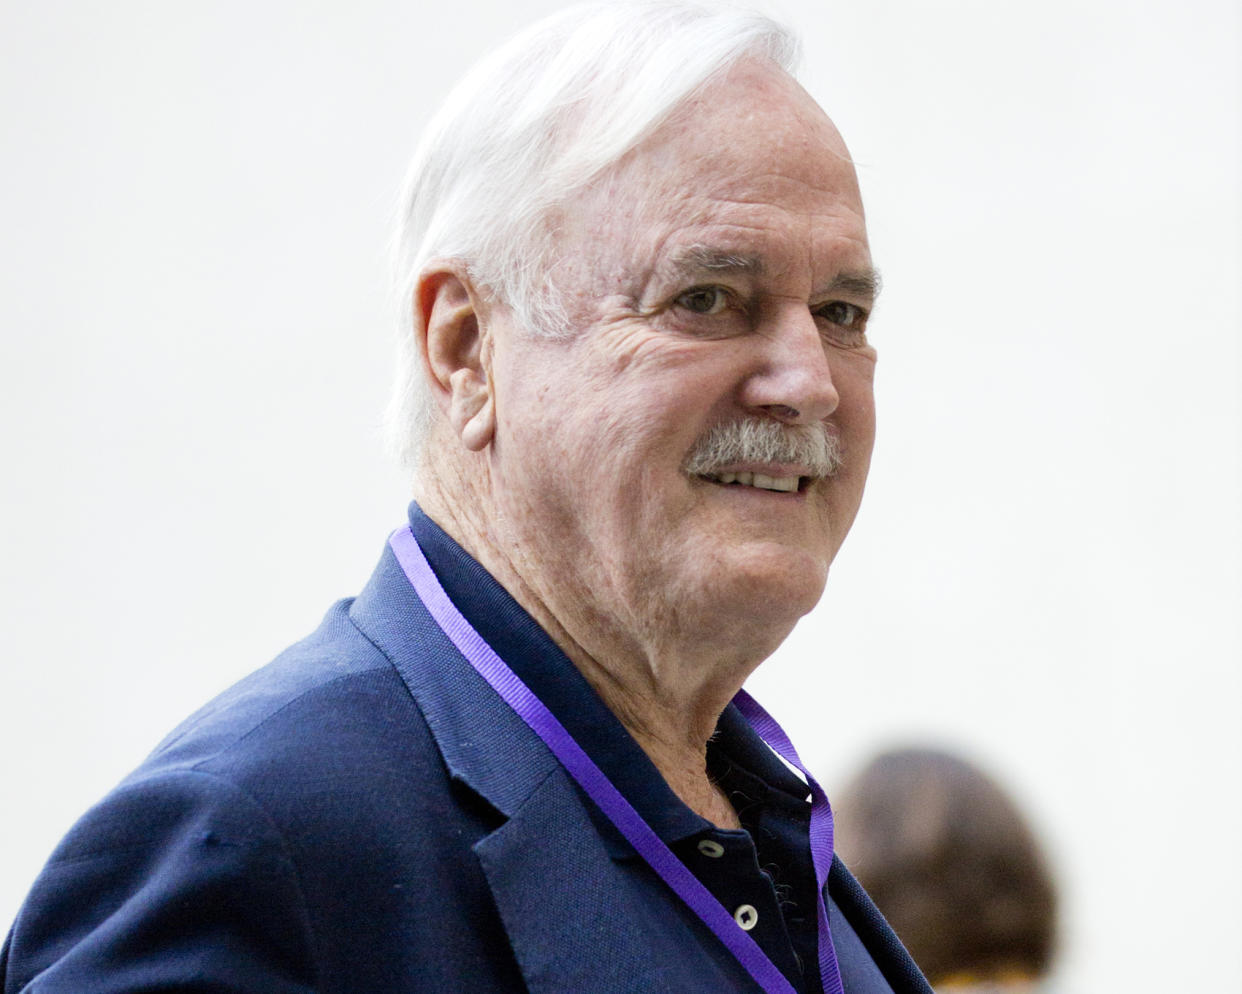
(673, 733)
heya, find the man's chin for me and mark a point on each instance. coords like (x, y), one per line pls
(770, 580)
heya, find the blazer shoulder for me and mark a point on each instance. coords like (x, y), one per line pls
(325, 663)
(174, 879)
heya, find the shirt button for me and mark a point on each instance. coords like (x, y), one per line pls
(746, 916)
(711, 849)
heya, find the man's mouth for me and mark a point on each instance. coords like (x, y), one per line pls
(782, 484)
(793, 456)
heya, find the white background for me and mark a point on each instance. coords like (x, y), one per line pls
(1047, 572)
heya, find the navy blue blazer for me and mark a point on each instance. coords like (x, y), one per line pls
(365, 815)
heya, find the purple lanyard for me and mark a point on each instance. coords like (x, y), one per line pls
(610, 801)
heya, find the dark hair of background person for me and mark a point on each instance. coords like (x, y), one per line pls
(951, 863)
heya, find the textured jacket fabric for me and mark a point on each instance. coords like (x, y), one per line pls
(366, 815)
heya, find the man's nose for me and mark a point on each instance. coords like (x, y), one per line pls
(792, 381)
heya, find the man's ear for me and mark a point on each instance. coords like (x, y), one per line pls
(455, 346)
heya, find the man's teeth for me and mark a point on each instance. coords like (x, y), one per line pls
(786, 484)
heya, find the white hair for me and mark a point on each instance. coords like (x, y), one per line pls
(528, 128)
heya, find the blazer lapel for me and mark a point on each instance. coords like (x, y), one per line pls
(580, 920)
(881, 941)
(484, 743)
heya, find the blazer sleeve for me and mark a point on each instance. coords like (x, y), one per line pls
(178, 881)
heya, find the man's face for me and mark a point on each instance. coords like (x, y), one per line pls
(720, 275)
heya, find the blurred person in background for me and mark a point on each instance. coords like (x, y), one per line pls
(955, 868)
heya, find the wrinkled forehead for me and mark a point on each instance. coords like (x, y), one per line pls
(755, 103)
(749, 155)
(753, 116)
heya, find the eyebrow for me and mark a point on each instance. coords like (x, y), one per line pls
(698, 259)
(703, 258)
(863, 283)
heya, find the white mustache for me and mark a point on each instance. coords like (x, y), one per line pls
(763, 440)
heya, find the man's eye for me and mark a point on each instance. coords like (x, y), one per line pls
(843, 314)
(704, 300)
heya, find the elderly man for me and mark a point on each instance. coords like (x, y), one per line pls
(637, 389)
